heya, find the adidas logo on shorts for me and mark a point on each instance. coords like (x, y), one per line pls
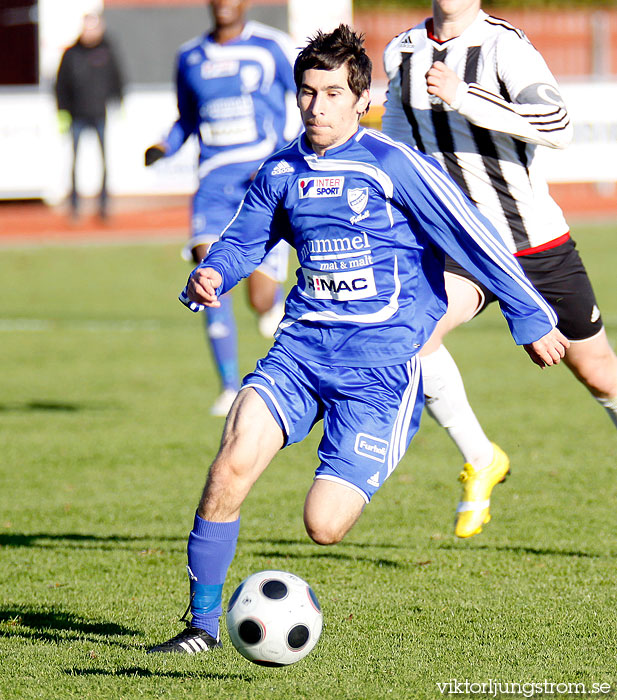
(374, 480)
(595, 314)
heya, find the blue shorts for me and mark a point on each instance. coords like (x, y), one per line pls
(210, 215)
(369, 415)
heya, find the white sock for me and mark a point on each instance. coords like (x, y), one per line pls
(610, 406)
(446, 402)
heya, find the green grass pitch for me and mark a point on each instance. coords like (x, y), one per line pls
(105, 439)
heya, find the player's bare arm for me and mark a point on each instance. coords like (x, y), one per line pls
(442, 82)
(202, 287)
(548, 350)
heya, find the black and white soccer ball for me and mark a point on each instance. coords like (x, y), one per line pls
(274, 618)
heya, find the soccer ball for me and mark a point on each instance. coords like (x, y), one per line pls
(274, 618)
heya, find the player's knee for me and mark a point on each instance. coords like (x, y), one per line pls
(321, 526)
(330, 511)
(260, 303)
(598, 373)
(235, 464)
(262, 292)
(323, 533)
(602, 384)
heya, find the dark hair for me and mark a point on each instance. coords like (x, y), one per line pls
(331, 51)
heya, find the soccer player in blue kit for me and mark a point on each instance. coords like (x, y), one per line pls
(236, 93)
(371, 220)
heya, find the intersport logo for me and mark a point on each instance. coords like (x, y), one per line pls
(321, 186)
(341, 286)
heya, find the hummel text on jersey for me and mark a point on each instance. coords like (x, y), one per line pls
(338, 248)
(321, 186)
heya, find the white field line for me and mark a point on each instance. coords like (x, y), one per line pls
(138, 241)
(114, 326)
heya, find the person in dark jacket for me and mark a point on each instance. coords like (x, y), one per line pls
(88, 79)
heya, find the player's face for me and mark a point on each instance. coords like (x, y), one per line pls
(227, 13)
(330, 111)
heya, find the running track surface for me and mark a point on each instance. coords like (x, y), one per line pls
(152, 218)
(167, 218)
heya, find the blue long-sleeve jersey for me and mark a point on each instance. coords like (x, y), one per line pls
(238, 99)
(370, 221)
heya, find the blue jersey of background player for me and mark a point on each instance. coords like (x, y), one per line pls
(236, 95)
(370, 220)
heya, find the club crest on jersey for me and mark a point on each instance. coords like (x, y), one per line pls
(372, 448)
(321, 186)
(357, 198)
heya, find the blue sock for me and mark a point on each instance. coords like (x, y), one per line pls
(222, 334)
(210, 550)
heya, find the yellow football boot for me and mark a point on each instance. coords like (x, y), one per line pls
(473, 508)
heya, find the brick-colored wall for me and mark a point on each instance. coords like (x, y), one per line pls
(575, 43)
(174, 3)
(564, 37)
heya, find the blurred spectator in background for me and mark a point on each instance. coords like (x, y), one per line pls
(89, 77)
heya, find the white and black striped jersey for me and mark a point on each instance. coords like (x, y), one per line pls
(508, 104)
